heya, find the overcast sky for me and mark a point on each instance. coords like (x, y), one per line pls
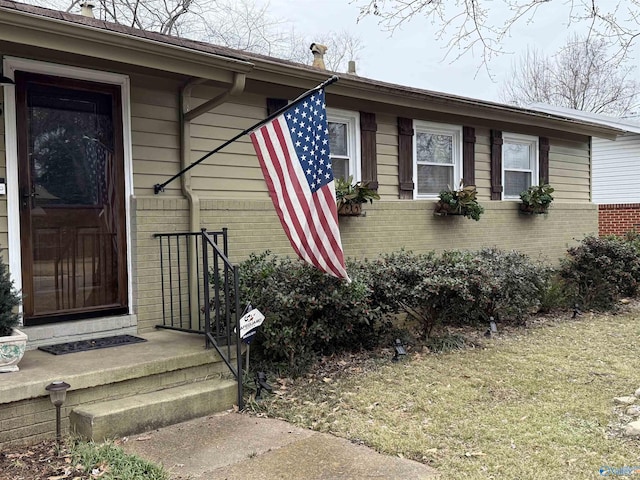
(412, 56)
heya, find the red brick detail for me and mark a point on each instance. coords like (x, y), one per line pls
(618, 219)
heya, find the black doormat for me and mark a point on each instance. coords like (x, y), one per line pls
(94, 344)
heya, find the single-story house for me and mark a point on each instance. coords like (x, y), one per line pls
(95, 114)
(615, 170)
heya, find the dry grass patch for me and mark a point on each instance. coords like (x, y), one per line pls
(536, 403)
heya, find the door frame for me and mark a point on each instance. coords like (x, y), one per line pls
(10, 65)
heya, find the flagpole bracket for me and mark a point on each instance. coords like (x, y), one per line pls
(157, 188)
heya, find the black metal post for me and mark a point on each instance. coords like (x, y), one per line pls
(58, 427)
(236, 286)
(205, 292)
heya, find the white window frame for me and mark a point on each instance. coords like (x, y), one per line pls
(533, 142)
(455, 131)
(352, 121)
(11, 65)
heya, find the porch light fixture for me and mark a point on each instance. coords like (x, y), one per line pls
(400, 350)
(57, 394)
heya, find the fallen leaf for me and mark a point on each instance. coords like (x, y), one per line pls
(143, 438)
(475, 454)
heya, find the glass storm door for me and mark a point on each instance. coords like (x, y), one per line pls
(72, 217)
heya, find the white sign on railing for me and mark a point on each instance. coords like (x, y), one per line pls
(250, 322)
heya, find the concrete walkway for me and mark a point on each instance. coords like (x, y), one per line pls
(234, 446)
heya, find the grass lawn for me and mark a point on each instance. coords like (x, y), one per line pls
(535, 403)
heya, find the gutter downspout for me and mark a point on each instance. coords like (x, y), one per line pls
(186, 116)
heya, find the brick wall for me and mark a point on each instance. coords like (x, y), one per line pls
(387, 226)
(618, 219)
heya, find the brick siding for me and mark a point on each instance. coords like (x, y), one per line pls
(618, 219)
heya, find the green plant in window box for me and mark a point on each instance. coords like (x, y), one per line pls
(350, 196)
(536, 199)
(462, 201)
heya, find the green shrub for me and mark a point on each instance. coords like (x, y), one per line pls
(600, 270)
(9, 300)
(470, 287)
(392, 277)
(308, 313)
(554, 294)
(515, 284)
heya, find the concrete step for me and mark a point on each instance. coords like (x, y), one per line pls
(140, 413)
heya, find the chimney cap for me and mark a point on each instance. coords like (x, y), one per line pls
(318, 51)
(86, 9)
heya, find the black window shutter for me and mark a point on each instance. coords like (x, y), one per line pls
(405, 157)
(469, 155)
(368, 153)
(275, 104)
(496, 164)
(544, 160)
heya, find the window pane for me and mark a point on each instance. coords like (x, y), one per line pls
(516, 182)
(434, 148)
(338, 138)
(340, 167)
(432, 179)
(517, 155)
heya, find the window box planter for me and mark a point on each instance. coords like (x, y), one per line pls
(536, 199)
(530, 210)
(350, 196)
(459, 202)
(350, 209)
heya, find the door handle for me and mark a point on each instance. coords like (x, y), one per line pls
(26, 195)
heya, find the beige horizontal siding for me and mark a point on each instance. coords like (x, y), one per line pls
(154, 133)
(387, 152)
(570, 170)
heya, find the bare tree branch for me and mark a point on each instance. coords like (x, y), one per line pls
(468, 24)
(241, 24)
(580, 75)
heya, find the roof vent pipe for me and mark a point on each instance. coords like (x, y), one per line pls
(87, 9)
(352, 68)
(318, 55)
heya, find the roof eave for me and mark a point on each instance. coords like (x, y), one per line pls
(355, 87)
(34, 30)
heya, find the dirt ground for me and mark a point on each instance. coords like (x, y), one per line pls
(41, 461)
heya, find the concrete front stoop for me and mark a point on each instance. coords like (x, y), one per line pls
(118, 418)
(116, 391)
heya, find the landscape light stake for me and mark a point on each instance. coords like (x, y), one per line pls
(576, 311)
(400, 351)
(57, 394)
(261, 384)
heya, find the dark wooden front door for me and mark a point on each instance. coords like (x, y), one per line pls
(72, 216)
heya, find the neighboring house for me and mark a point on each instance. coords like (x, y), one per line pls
(100, 113)
(615, 174)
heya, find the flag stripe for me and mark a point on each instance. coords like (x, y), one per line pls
(319, 236)
(294, 157)
(295, 200)
(291, 201)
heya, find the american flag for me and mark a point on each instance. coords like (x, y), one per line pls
(293, 150)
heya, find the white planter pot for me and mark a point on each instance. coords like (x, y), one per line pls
(12, 349)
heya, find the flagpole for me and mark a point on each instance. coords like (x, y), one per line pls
(159, 187)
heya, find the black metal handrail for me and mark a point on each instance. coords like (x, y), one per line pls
(218, 329)
(197, 279)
